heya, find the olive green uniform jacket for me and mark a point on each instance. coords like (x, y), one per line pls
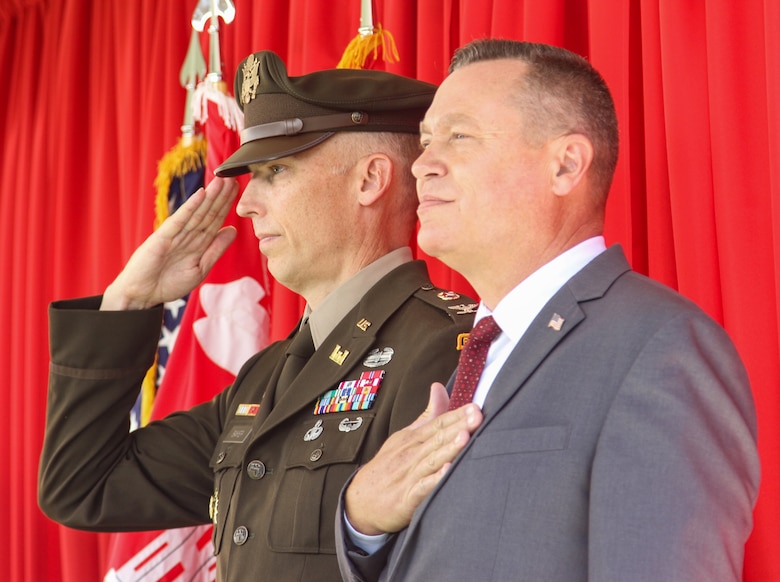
(269, 476)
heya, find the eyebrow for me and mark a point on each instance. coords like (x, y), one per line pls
(449, 120)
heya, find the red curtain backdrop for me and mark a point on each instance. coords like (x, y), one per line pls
(91, 100)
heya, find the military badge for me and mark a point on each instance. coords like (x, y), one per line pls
(377, 357)
(314, 432)
(247, 409)
(339, 354)
(464, 308)
(351, 394)
(213, 506)
(348, 425)
(238, 434)
(448, 296)
(251, 79)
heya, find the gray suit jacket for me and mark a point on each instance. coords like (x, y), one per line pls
(621, 447)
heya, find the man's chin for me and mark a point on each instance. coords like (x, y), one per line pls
(276, 271)
(430, 242)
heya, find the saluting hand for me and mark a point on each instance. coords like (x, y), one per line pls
(178, 255)
(384, 493)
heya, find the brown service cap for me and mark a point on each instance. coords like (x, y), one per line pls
(285, 115)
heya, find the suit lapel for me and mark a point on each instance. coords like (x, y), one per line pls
(561, 315)
(539, 341)
(536, 344)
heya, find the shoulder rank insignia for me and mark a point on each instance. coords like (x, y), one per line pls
(351, 394)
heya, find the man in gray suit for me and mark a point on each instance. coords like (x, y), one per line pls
(612, 434)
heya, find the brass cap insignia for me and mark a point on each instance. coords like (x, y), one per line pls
(251, 79)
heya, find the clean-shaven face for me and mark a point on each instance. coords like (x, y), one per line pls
(480, 185)
(301, 207)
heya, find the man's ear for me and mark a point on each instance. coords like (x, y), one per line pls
(572, 156)
(376, 176)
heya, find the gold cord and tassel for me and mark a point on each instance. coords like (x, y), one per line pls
(370, 42)
(364, 45)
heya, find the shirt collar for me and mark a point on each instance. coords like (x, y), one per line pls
(515, 312)
(340, 301)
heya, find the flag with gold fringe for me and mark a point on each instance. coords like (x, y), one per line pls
(180, 172)
(371, 41)
(146, 556)
(224, 323)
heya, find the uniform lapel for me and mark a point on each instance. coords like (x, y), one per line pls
(348, 340)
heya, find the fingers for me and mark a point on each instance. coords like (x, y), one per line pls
(435, 445)
(438, 401)
(177, 256)
(436, 421)
(221, 242)
(204, 212)
(385, 492)
(218, 200)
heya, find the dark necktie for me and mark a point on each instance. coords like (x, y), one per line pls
(298, 353)
(472, 361)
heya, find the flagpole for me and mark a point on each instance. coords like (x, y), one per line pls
(193, 68)
(214, 88)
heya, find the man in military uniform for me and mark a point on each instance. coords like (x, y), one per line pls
(333, 203)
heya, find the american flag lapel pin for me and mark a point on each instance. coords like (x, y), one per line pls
(556, 322)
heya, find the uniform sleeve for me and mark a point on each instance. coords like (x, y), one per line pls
(676, 472)
(95, 474)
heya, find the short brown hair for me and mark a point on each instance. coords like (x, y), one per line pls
(560, 93)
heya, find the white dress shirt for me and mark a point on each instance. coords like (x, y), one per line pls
(515, 312)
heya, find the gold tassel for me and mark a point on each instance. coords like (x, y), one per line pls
(177, 161)
(188, 155)
(359, 48)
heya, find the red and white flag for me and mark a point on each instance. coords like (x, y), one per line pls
(224, 323)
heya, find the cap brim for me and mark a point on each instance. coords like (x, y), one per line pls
(264, 150)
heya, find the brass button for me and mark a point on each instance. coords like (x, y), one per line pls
(316, 454)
